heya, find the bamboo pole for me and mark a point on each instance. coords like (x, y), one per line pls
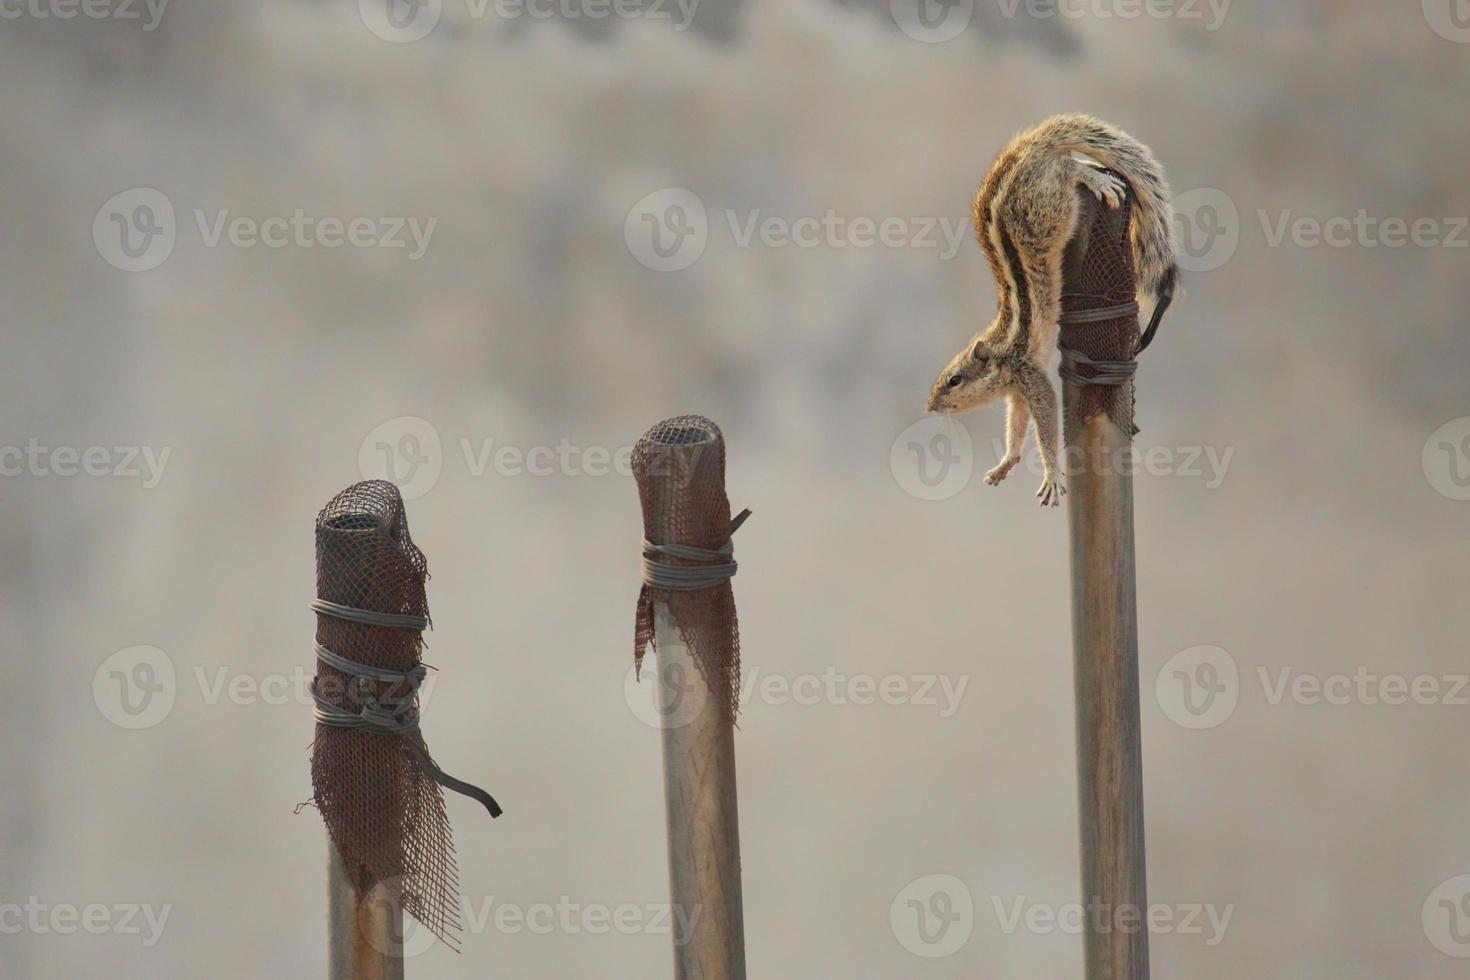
(1105, 665)
(703, 820)
(364, 939)
(1109, 745)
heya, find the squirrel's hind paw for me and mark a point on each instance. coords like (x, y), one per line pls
(1050, 493)
(1106, 187)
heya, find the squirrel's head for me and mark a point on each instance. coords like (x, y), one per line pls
(975, 376)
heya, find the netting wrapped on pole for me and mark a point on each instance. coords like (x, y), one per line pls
(679, 466)
(1099, 323)
(372, 777)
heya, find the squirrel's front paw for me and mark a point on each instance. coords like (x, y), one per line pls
(993, 477)
(1050, 493)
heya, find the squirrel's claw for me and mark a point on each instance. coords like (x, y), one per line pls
(994, 476)
(1108, 189)
(1050, 493)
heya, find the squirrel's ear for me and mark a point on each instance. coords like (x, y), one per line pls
(978, 351)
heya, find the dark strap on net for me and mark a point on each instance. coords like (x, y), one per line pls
(1153, 322)
(1108, 373)
(1100, 314)
(401, 718)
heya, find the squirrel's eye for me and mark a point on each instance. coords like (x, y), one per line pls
(955, 381)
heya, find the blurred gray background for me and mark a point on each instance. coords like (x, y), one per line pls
(1331, 375)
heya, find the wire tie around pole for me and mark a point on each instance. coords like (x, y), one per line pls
(400, 718)
(719, 565)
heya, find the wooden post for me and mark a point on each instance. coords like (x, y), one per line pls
(1105, 661)
(703, 820)
(1109, 750)
(365, 939)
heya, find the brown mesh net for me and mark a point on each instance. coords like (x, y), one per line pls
(1097, 273)
(382, 807)
(679, 466)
